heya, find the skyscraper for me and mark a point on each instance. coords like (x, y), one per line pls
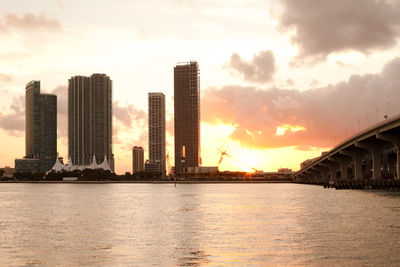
(40, 126)
(157, 129)
(187, 115)
(90, 119)
(137, 159)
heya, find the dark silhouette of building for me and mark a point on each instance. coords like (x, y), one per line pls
(137, 159)
(90, 119)
(157, 130)
(40, 127)
(187, 115)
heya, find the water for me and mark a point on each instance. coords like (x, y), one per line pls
(196, 224)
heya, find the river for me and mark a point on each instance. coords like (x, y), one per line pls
(197, 224)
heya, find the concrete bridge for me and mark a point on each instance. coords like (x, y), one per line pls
(372, 154)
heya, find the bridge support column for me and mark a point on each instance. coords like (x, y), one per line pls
(332, 167)
(368, 165)
(392, 164)
(395, 140)
(343, 162)
(375, 151)
(385, 163)
(357, 156)
(308, 176)
(317, 176)
(324, 172)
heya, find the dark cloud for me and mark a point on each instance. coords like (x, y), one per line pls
(318, 117)
(14, 121)
(324, 27)
(29, 22)
(260, 69)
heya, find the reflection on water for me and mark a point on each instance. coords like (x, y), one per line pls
(196, 224)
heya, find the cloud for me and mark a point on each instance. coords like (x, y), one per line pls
(260, 69)
(128, 114)
(5, 77)
(317, 117)
(324, 27)
(13, 122)
(29, 22)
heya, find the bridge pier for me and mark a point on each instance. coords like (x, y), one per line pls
(375, 150)
(324, 172)
(332, 167)
(392, 164)
(317, 176)
(343, 162)
(395, 140)
(357, 157)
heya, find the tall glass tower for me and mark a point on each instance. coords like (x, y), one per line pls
(90, 119)
(157, 129)
(40, 126)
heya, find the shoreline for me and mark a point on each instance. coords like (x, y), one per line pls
(152, 182)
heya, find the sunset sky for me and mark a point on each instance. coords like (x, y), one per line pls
(281, 81)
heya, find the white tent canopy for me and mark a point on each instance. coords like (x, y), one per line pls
(58, 166)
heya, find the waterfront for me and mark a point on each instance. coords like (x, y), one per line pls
(196, 224)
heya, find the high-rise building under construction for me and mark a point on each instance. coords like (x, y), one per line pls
(187, 115)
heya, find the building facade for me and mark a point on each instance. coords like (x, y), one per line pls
(187, 115)
(157, 129)
(137, 159)
(27, 165)
(90, 119)
(40, 126)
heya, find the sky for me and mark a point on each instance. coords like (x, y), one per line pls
(281, 81)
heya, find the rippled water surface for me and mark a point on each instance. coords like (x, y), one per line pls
(196, 224)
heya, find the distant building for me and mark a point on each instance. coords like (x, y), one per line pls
(308, 162)
(154, 166)
(8, 171)
(90, 119)
(187, 115)
(137, 159)
(27, 165)
(157, 131)
(285, 170)
(40, 127)
(199, 170)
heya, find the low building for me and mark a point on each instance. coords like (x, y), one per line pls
(8, 171)
(155, 167)
(202, 169)
(27, 165)
(285, 170)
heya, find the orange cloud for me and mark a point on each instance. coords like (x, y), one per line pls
(318, 117)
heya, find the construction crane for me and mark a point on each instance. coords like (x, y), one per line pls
(168, 163)
(225, 153)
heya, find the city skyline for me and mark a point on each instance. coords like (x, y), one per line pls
(281, 88)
